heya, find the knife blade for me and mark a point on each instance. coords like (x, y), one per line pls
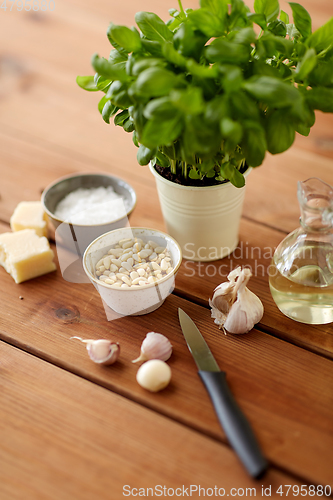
(236, 426)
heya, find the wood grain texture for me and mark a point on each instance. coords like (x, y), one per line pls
(255, 250)
(266, 375)
(65, 438)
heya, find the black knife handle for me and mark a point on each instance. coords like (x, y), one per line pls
(234, 423)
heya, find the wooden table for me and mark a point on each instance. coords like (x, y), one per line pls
(70, 429)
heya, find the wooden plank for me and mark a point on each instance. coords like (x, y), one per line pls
(257, 242)
(255, 249)
(64, 437)
(266, 375)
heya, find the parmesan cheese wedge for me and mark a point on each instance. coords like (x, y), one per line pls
(29, 215)
(25, 255)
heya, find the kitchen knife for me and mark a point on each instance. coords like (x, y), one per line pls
(232, 419)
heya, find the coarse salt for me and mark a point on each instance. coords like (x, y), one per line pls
(92, 206)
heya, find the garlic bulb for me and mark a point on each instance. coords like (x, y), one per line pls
(102, 351)
(154, 346)
(154, 375)
(234, 307)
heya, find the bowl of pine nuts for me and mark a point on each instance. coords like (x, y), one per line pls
(133, 268)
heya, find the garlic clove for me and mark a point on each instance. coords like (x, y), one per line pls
(154, 346)
(234, 307)
(102, 351)
(154, 375)
(245, 313)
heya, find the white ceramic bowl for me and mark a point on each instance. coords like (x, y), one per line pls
(137, 300)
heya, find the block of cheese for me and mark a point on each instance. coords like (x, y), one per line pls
(25, 255)
(29, 215)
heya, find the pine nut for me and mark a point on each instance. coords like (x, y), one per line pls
(133, 262)
(116, 262)
(107, 262)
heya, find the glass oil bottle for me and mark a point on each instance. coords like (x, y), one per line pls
(301, 274)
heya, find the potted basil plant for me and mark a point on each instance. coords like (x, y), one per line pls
(205, 95)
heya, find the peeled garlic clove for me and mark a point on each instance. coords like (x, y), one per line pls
(102, 351)
(155, 346)
(154, 375)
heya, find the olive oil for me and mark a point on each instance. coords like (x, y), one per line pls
(301, 273)
(310, 303)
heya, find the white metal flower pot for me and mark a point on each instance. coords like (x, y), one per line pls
(204, 220)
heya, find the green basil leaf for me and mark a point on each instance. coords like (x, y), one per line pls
(253, 143)
(160, 108)
(173, 56)
(128, 125)
(322, 75)
(146, 63)
(102, 83)
(117, 57)
(155, 82)
(229, 171)
(189, 101)
(188, 42)
(162, 160)
(232, 77)
(121, 117)
(211, 173)
(306, 65)
(154, 48)
(302, 129)
(201, 71)
(128, 39)
(138, 118)
(206, 22)
(153, 27)
(102, 103)
(144, 155)
(114, 43)
(244, 106)
(246, 36)
(221, 50)
(217, 7)
(135, 138)
(194, 174)
(87, 83)
(200, 137)
(302, 19)
(231, 130)
(280, 132)
(108, 110)
(270, 8)
(271, 91)
(259, 19)
(284, 17)
(320, 98)
(106, 69)
(278, 28)
(161, 132)
(322, 38)
(238, 15)
(217, 109)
